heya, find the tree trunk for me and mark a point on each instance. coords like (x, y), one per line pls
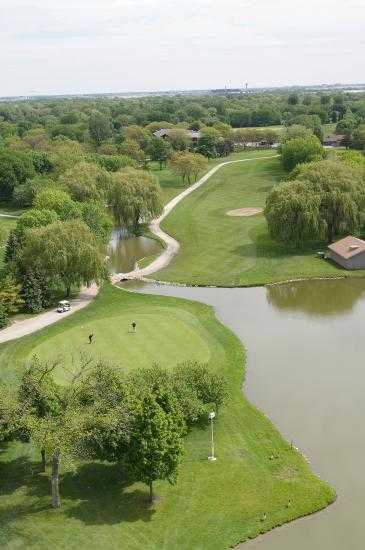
(56, 502)
(68, 291)
(43, 459)
(151, 492)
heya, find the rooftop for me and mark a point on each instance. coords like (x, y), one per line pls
(166, 131)
(334, 137)
(348, 247)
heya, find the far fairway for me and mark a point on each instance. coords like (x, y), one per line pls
(222, 250)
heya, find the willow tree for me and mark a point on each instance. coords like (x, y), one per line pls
(293, 213)
(135, 197)
(86, 181)
(300, 149)
(326, 199)
(65, 252)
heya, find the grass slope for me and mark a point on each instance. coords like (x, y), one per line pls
(221, 250)
(213, 505)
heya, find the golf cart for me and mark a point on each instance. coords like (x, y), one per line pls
(63, 305)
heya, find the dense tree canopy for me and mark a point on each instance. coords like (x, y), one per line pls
(301, 149)
(85, 181)
(15, 169)
(135, 197)
(64, 251)
(326, 199)
(59, 201)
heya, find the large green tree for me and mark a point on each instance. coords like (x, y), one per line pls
(324, 199)
(59, 201)
(299, 150)
(160, 150)
(15, 169)
(155, 447)
(67, 252)
(188, 165)
(135, 197)
(85, 181)
(99, 128)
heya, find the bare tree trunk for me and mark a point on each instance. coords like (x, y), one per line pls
(151, 492)
(56, 501)
(43, 459)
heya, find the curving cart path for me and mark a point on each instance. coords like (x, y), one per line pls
(37, 322)
(172, 246)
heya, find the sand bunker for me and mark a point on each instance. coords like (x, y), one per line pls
(244, 212)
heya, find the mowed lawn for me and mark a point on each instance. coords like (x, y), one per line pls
(214, 505)
(217, 249)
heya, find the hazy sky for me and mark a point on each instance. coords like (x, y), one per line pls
(72, 46)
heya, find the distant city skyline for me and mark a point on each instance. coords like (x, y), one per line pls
(121, 46)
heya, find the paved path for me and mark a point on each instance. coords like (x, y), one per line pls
(172, 245)
(8, 216)
(32, 324)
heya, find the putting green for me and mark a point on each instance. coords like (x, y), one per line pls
(154, 341)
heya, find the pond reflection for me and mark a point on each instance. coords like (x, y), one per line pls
(318, 298)
(124, 250)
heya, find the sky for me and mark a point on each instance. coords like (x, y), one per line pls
(89, 46)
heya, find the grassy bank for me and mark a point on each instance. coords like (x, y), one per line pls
(213, 505)
(217, 249)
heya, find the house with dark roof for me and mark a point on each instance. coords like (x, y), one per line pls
(334, 140)
(348, 253)
(194, 135)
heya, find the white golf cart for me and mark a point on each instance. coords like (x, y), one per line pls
(63, 305)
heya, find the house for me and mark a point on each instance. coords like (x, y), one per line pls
(348, 252)
(193, 135)
(334, 140)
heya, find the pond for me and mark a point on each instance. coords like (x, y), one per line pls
(306, 371)
(124, 250)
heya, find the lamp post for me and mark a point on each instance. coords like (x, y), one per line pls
(212, 458)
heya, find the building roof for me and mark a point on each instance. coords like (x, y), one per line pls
(337, 138)
(161, 132)
(166, 131)
(348, 247)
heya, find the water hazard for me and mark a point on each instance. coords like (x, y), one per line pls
(306, 371)
(125, 250)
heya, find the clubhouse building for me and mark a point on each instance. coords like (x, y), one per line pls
(348, 253)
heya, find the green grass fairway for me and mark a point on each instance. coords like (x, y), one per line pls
(221, 250)
(213, 505)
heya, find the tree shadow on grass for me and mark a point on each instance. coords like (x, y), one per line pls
(18, 472)
(264, 247)
(96, 494)
(104, 496)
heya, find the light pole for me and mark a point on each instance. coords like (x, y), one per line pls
(212, 458)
